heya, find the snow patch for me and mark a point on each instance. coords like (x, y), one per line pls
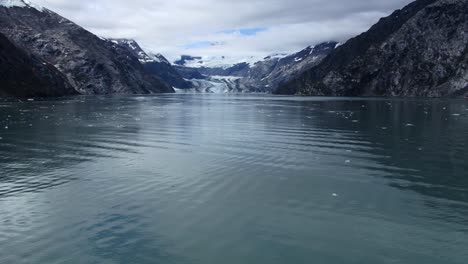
(224, 62)
(20, 3)
(312, 49)
(159, 58)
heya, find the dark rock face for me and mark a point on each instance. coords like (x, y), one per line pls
(421, 50)
(23, 75)
(156, 65)
(190, 73)
(91, 65)
(238, 70)
(184, 58)
(267, 75)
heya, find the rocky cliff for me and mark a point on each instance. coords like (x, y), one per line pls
(267, 75)
(23, 75)
(154, 64)
(92, 65)
(420, 50)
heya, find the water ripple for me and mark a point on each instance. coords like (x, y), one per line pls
(233, 179)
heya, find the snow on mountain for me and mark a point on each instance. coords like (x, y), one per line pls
(254, 75)
(154, 64)
(20, 3)
(136, 49)
(133, 47)
(223, 62)
(158, 58)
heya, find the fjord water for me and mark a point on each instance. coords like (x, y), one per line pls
(233, 179)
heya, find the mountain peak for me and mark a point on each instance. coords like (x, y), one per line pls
(133, 46)
(20, 3)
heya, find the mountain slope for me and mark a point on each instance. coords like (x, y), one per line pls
(92, 65)
(154, 64)
(22, 75)
(420, 50)
(267, 75)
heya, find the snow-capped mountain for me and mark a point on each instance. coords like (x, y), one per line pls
(154, 64)
(420, 50)
(263, 75)
(221, 62)
(143, 56)
(92, 65)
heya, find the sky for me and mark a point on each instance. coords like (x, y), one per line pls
(234, 28)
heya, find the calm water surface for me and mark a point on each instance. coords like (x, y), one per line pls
(233, 179)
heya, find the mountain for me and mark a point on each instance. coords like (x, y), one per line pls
(91, 65)
(186, 59)
(421, 50)
(23, 75)
(214, 62)
(261, 76)
(267, 75)
(154, 64)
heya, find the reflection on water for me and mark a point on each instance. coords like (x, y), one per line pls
(233, 179)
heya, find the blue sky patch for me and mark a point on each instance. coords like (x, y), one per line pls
(245, 31)
(198, 44)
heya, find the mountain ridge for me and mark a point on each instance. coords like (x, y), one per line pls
(262, 76)
(409, 53)
(154, 64)
(92, 65)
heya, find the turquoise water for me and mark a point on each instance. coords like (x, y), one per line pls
(233, 179)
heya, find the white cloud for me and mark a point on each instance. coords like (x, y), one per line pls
(169, 26)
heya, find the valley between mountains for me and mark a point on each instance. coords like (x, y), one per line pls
(418, 51)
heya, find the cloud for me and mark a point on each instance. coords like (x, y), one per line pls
(236, 28)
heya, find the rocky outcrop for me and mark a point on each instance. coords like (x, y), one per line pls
(92, 65)
(23, 75)
(189, 73)
(154, 64)
(421, 50)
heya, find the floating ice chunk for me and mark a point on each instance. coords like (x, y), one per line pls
(30, 100)
(456, 114)
(335, 195)
(348, 161)
(410, 125)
